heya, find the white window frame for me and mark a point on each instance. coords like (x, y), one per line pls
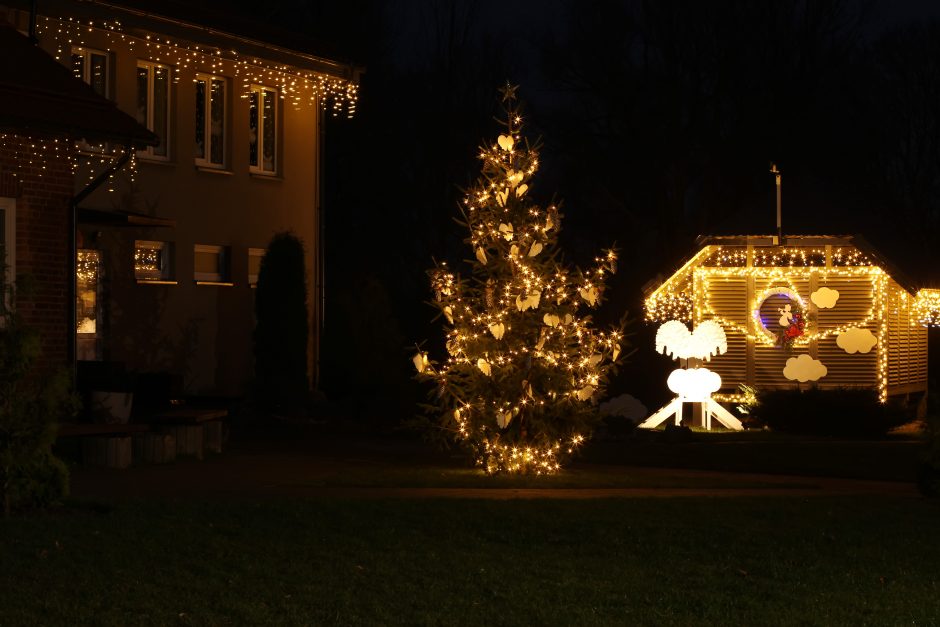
(9, 228)
(85, 52)
(163, 274)
(148, 152)
(212, 278)
(259, 169)
(206, 162)
(259, 253)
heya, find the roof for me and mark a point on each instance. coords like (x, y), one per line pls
(790, 241)
(208, 24)
(42, 97)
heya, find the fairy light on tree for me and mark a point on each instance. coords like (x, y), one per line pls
(524, 367)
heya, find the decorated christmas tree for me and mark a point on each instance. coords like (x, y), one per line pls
(524, 370)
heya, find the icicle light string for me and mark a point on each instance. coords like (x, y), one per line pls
(295, 85)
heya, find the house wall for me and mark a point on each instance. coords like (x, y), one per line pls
(201, 333)
(42, 192)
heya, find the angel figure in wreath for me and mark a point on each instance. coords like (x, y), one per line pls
(792, 325)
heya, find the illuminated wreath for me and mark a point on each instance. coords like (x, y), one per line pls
(781, 315)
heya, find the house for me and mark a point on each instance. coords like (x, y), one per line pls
(46, 111)
(169, 250)
(828, 311)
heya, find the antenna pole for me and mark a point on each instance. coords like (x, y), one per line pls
(776, 172)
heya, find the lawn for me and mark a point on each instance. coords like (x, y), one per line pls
(756, 561)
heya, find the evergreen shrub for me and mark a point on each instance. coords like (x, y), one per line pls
(282, 325)
(843, 412)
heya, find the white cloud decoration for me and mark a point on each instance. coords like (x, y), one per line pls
(804, 368)
(626, 406)
(856, 340)
(674, 339)
(825, 297)
(694, 384)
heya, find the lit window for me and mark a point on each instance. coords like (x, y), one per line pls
(151, 260)
(254, 265)
(92, 67)
(86, 303)
(153, 105)
(262, 130)
(210, 264)
(210, 120)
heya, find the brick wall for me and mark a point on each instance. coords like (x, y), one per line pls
(41, 181)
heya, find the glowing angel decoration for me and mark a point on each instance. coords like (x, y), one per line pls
(696, 384)
(708, 340)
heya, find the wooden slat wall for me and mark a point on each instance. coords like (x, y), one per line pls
(906, 342)
(854, 305)
(729, 300)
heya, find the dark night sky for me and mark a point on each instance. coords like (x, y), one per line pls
(659, 121)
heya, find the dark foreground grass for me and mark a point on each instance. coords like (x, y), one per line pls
(771, 561)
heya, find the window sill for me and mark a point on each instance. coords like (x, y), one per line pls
(211, 170)
(155, 160)
(265, 177)
(156, 282)
(216, 283)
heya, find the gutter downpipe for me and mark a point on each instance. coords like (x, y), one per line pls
(73, 256)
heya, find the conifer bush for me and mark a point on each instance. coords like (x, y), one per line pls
(282, 325)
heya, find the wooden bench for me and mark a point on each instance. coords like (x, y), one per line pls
(195, 430)
(104, 444)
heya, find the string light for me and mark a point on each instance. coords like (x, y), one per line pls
(927, 307)
(522, 366)
(296, 86)
(688, 294)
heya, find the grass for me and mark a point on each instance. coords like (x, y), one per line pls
(576, 476)
(768, 561)
(892, 459)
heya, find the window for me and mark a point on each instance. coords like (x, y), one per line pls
(210, 121)
(153, 105)
(254, 265)
(8, 241)
(93, 67)
(152, 262)
(86, 303)
(262, 130)
(210, 265)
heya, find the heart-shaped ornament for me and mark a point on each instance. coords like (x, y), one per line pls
(551, 320)
(503, 419)
(506, 231)
(569, 318)
(535, 249)
(481, 256)
(514, 178)
(534, 299)
(595, 359)
(497, 330)
(589, 294)
(420, 361)
(521, 190)
(501, 198)
(484, 366)
(449, 314)
(505, 142)
(585, 393)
